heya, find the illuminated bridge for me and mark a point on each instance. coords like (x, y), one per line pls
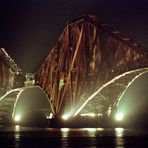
(89, 68)
(86, 72)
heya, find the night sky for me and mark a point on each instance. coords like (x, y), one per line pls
(29, 28)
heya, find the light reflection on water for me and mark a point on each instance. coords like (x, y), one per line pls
(119, 141)
(65, 132)
(119, 132)
(17, 128)
(17, 136)
(91, 132)
(70, 137)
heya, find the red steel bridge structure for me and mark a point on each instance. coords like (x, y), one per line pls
(87, 71)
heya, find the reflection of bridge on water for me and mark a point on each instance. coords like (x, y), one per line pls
(87, 71)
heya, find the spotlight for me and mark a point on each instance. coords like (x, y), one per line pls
(65, 117)
(17, 118)
(119, 116)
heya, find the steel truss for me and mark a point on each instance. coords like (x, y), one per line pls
(88, 55)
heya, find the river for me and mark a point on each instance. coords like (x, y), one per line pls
(26, 137)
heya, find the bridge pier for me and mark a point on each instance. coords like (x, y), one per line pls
(76, 122)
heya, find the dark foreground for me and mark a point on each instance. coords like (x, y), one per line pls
(27, 137)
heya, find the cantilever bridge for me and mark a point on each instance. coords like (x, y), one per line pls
(89, 68)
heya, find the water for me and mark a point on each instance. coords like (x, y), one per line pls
(27, 137)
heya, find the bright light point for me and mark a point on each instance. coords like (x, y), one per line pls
(65, 117)
(119, 129)
(119, 116)
(50, 116)
(17, 118)
(88, 114)
(65, 129)
(91, 129)
(100, 129)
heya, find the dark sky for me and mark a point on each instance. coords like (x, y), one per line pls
(29, 28)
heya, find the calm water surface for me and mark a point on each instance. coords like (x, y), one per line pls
(27, 137)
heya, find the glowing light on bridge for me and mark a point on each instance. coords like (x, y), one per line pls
(17, 118)
(65, 117)
(14, 108)
(91, 115)
(91, 129)
(65, 129)
(119, 116)
(88, 114)
(50, 116)
(9, 92)
(100, 129)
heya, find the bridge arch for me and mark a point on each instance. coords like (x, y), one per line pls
(134, 100)
(124, 80)
(22, 102)
(33, 105)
